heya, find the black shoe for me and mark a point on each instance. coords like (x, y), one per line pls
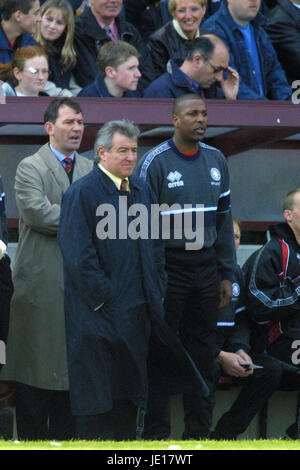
(6, 424)
(217, 436)
(293, 432)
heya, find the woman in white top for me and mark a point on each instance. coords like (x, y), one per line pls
(26, 74)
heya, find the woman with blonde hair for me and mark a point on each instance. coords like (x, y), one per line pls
(26, 74)
(55, 33)
(169, 41)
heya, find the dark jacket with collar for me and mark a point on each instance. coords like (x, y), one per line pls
(165, 44)
(107, 336)
(99, 89)
(274, 80)
(89, 37)
(6, 51)
(283, 28)
(273, 289)
(174, 83)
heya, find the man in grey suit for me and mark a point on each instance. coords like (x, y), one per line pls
(36, 349)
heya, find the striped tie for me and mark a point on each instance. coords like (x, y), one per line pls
(68, 162)
(124, 185)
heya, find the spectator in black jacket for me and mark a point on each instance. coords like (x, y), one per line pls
(283, 28)
(170, 40)
(101, 23)
(145, 15)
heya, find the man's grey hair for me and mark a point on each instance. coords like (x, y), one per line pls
(105, 135)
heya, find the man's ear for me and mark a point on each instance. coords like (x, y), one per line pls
(101, 153)
(49, 127)
(17, 16)
(175, 120)
(16, 73)
(287, 214)
(197, 58)
(110, 72)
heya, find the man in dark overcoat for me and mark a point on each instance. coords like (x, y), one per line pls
(114, 286)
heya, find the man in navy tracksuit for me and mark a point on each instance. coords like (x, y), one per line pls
(192, 180)
(273, 280)
(233, 350)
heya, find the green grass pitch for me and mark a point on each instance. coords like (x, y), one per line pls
(169, 446)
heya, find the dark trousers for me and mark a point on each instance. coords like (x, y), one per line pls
(282, 349)
(119, 424)
(43, 414)
(191, 311)
(256, 390)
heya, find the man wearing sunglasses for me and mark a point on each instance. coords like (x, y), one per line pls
(204, 67)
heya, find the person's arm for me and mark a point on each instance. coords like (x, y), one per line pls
(224, 243)
(159, 55)
(230, 84)
(231, 364)
(270, 299)
(37, 212)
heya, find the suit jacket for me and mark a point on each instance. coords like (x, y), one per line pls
(36, 350)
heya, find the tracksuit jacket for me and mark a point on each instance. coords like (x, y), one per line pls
(272, 275)
(194, 180)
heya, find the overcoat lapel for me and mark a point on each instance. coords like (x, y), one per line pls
(55, 167)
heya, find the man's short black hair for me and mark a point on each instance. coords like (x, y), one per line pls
(180, 100)
(9, 7)
(203, 45)
(52, 110)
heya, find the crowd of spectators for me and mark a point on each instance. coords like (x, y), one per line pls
(230, 49)
(261, 38)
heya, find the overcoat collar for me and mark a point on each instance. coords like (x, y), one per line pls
(110, 186)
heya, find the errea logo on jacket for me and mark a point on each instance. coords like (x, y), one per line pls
(215, 176)
(174, 178)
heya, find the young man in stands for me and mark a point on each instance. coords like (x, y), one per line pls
(98, 24)
(18, 21)
(118, 72)
(205, 62)
(239, 24)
